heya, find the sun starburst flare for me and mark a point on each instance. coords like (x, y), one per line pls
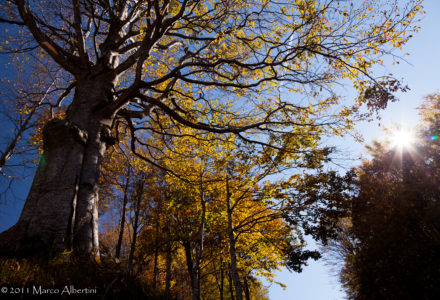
(402, 138)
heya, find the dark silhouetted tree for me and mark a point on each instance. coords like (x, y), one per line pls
(391, 247)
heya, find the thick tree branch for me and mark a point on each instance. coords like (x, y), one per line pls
(77, 24)
(65, 60)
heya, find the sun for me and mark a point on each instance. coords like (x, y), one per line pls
(402, 138)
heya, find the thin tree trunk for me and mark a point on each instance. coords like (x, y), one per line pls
(232, 246)
(200, 241)
(11, 147)
(24, 125)
(139, 194)
(231, 285)
(169, 262)
(124, 207)
(156, 256)
(222, 278)
(219, 282)
(247, 293)
(192, 271)
(194, 267)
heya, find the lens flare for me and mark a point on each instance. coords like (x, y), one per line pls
(402, 138)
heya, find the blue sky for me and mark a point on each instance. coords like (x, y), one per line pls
(421, 73)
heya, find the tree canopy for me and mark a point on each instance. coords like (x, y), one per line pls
(390, 245)
(219, 66)
(215, 96)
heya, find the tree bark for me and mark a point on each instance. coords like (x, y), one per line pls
(192, 271)
(61, 210)
(124, 207)
(45, 223)
(156, 256)
(200, 242)
(247, 292)
(231, 285)
(222, 279)
(232, 246)
(169, 261)
(194, 266)
(139, 194)
(219, 282)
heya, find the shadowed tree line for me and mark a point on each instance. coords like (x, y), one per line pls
(390, 245)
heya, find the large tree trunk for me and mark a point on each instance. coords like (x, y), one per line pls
(61, 210)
